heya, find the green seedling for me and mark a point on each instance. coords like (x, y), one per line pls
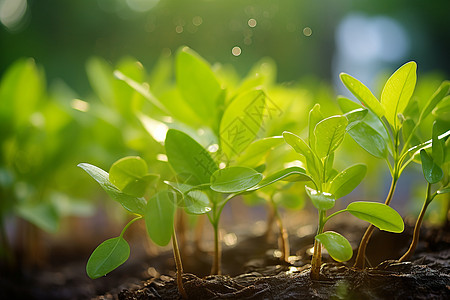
(389, 130)
(127, 182)
(327, 184)
(432, 167)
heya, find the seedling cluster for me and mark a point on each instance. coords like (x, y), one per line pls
(231, 158)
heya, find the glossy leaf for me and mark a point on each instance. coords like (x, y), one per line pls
(159, 215)
(131, 203)
(337, 246)
(444, 190)
(431, 171)
(347, 180)
(241, 122)
(107, 256)
(288, 174)
(130, 175)
(378, 214)
(329, 134)
(234, 179)
(315, 116)
(198, 84)
(398, 91)
(321, 200)
(355, 116)
(257, 150)
(313, 165)
(191, 199)
(369, 139)
(186, 156)
(363, 94)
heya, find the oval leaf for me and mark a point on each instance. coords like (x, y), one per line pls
(329, 134)
(159, 215)
(315, 116)
(186, 156)
(363, 94)
(369, 139)
(131, 203)
(257, 150)
(129, 174)
(321, 200)
(288, 174)
(234, 179)
(347, 180)
(337, 246)
(431, 171)
(378, 214)
(107, 256)
(398, 91)
(241, 122)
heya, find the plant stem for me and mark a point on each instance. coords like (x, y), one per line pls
(270, 221)
(216, 268)
(361, 256)
(284, 237)
(179, 265)
(419, 221)
(316, 260)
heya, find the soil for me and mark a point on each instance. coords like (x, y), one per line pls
(254, 272)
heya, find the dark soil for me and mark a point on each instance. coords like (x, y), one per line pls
(254, 272)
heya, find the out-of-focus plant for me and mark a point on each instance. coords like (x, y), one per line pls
(38, 139)
(389, 130)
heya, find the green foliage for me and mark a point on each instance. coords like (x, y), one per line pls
(378, 214)
(234, 179)
(431, 171)
(321, 200)
(107, 256)
(159, 216)
(347, 180)
(337, 246)
(131, 203)
(329, 134)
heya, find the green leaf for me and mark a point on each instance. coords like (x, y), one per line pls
(337, 246)
(378, 214)
(398, 91)
(129, 174)
(315, 116)
(443, 190)
(241, 122)
(431, 171)
(408, 128)
(99, 73)
(133, 204)
(369, 139)
(355, 116)
(159, 215)
(107, 256)
(193, 201)
(437, 97)
(198, 84)
(234, 179)
(442, 110)
(437, 146)
(314, 166)
(186, 156)
(321, 200)
(288, 174)
(329, 134)
(363, 94)
(257, 150)
(347, 180)
(43, 215)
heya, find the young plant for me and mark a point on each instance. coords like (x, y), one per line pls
(432, 166)
(389, 130)
(325, 136)
(127, 183)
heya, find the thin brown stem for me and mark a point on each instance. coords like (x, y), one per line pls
(361, 256)
(284, 239)
(415, 240)
(316, 261)
(179, 265)
(270, 221)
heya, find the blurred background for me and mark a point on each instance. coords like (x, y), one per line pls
(305, 38)
(61, 105)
